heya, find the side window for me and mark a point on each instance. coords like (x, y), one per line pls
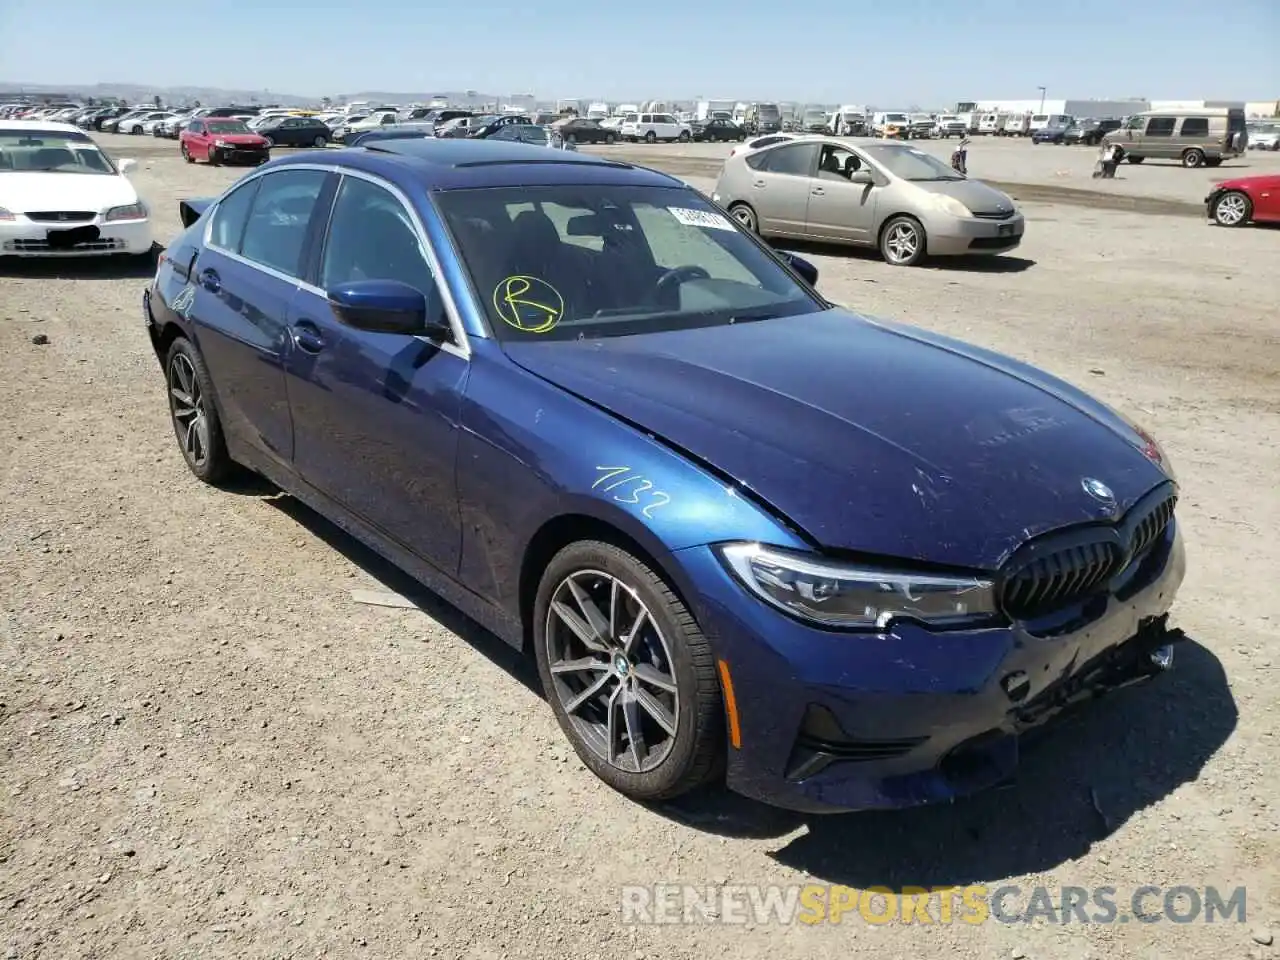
(195, 127)
(1195, 127)
(277, 227)
(371, 236)
(229, 219)
(1160, 126)
(795, 160)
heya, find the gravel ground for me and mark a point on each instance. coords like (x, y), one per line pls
(210, 750)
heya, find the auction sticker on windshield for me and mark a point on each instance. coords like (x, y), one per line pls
(700, 218)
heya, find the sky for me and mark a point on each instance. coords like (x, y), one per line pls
(895, 53)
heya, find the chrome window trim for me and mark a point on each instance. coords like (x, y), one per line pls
(460, 349)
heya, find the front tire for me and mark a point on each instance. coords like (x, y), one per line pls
(611, 139)
(902, 242)
(1232, 209)
(684, 136)
(1133, 159)
(194, 414)
(628, 672)
(651, 137)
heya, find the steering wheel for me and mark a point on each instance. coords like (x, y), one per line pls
(672, 279)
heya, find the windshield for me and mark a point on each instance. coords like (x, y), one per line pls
(569, 262)
(910, 163)
(895, 118)
(37, 151)
(227, 126)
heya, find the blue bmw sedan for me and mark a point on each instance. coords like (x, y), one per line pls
(836, 562)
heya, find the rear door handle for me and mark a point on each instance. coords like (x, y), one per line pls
(758, 183)
(307, 336)
(210, 280)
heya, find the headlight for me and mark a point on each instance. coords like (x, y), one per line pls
(843, 595)
(7, 214)
(951, 206)
(130, 211)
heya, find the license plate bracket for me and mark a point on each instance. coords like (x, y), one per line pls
(73, 237)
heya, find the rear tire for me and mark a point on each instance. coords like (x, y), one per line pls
(745, 216)
(186, 154)
(320, 141)
(674, 706)
(194, 414)
(1193, 158)
(1133, 159)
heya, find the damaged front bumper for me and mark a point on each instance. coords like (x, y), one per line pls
(830, 721)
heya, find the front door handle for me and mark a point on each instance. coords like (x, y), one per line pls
(818, 192)
(307, 336)
(210, 280)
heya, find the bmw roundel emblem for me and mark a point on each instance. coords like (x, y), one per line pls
(1098, 490)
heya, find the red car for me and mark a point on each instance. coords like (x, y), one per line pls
(1233, 203)
(223, 140)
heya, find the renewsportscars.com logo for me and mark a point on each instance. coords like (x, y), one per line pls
(975, 904)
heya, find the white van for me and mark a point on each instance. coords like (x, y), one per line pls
(652, 127)
(988, 124)
(1041, 120)
(1017, 125)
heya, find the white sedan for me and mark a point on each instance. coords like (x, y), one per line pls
(61, 196)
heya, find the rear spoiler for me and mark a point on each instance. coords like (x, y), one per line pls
(191, 209)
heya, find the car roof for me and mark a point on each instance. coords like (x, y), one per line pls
(41, 125)
(448, 164)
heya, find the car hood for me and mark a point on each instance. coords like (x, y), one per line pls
(868, 437)
(64, 191)
(974, 194)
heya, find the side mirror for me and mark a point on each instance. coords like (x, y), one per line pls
(389, 306)
(801, 266)
(862, 178)
(126, 165)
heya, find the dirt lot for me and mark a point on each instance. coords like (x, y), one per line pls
(210, 750)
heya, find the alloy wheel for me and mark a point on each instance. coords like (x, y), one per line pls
(186, 403)
(612, 670)
(901, 242)
(1231, 209)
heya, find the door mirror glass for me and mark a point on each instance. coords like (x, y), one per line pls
(807, 271)
(380, 306)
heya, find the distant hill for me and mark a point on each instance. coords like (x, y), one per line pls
(143, 93)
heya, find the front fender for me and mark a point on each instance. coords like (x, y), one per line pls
(531, 453)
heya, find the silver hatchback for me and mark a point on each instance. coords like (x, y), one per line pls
(873, 193)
